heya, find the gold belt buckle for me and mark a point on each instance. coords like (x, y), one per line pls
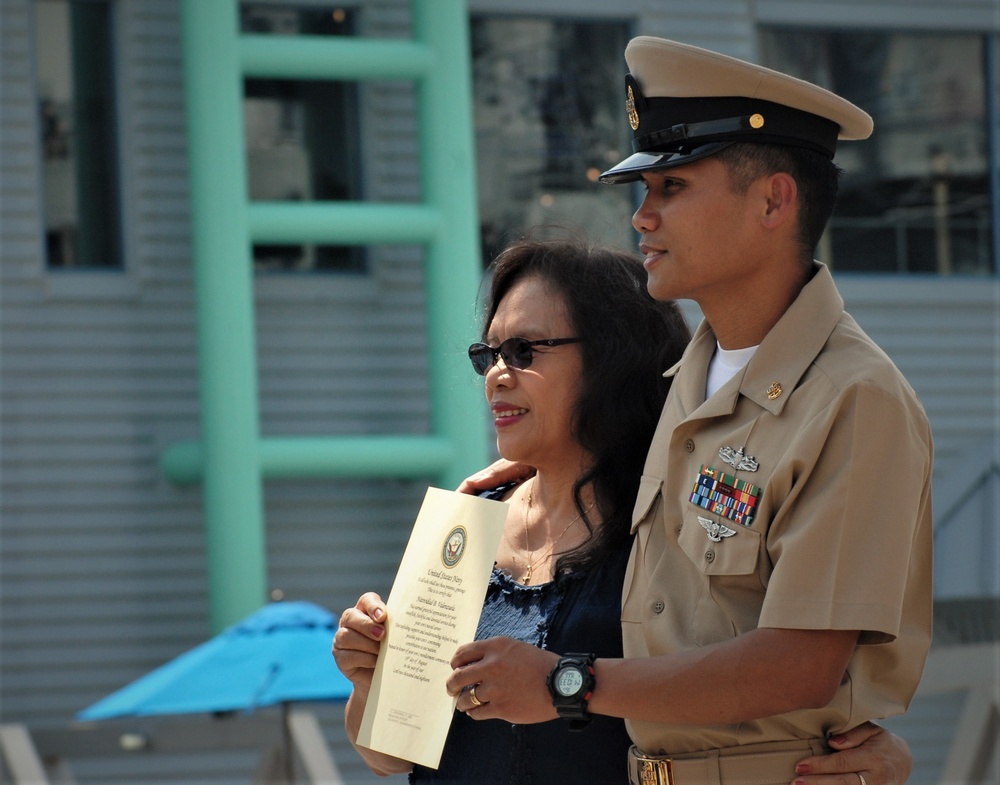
(655, 771)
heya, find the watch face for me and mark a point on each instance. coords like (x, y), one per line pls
(569, 681)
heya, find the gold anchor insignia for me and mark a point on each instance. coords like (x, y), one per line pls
(756, 121)
(774, 391)
(633, 115)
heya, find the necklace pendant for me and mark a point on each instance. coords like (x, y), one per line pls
(527, 576)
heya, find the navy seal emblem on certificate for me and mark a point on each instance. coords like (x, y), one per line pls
(454, 547)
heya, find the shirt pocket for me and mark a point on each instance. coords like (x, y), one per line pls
(734, 551)
(643, 520)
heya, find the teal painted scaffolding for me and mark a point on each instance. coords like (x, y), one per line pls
(232, 459)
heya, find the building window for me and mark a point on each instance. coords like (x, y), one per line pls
(916, 196)
(76, 94)
(548, 101)
(302, 137)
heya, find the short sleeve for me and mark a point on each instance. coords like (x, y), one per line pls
(845, 540)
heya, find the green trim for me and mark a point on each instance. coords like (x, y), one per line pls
(411, 457)
(231, 460)
(343, 223)
(318, 57)
(223, 274)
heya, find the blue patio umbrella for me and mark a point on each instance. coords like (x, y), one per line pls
(278, 654)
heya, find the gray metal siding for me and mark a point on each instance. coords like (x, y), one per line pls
(101, 564)
(904, 14)
(102, 569)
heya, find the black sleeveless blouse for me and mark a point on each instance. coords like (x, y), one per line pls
(576, 612)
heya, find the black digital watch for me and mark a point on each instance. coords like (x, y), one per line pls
(571, 683)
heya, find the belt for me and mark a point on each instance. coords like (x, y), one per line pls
(771, 763)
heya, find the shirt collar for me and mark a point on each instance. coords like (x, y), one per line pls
(794, 342)
(784, 355)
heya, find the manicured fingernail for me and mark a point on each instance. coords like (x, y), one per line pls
(378, 632)
(838, 739)
(802, 768)
(378, 614)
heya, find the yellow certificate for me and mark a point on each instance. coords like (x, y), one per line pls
(434, 606)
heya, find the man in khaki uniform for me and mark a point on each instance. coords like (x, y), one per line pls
(779, 589)
(786, 495)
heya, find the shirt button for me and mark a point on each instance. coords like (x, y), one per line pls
(689, 445)
(658, 606)
(710, 556)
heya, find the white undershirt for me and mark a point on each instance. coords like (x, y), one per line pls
(725, 365)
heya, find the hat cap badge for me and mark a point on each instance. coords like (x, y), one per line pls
(685, 103)
(633, 115)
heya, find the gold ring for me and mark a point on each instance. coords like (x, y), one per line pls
(476, 702)
(862, 778)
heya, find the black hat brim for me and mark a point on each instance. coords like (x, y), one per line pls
(633, 167)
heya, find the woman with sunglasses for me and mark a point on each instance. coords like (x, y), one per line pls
(572, 355)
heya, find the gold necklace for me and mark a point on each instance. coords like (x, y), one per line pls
(531, 560)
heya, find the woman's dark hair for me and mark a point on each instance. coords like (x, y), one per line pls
(628, 340)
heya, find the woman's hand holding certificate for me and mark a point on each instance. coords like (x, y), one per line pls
(433, 607)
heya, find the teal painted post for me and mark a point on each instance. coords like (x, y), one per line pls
(233, 496)
(454, 257)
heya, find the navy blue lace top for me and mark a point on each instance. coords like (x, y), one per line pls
(576, 612)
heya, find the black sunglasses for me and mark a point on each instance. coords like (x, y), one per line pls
(516, 352)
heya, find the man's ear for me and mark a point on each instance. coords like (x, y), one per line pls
(782, 199)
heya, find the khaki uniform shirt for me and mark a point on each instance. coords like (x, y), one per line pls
(823, 523)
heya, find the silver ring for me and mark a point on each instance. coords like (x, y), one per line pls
(477, 703)
(862, 778)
